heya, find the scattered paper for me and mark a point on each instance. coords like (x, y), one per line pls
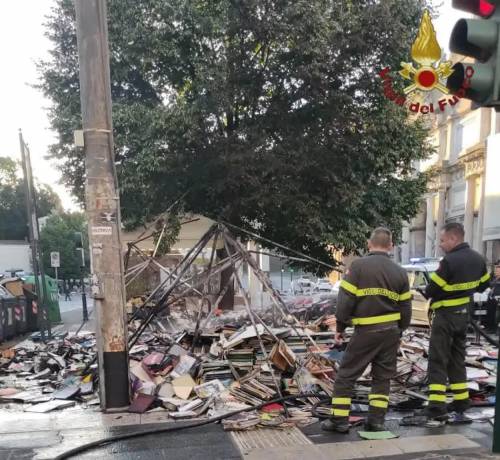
(183, 386)
(475, 373)
(50, 406)
(166, 391)
(185, 364)
(207, 389)
(473, 386)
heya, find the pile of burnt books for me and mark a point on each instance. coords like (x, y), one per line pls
(46, 376)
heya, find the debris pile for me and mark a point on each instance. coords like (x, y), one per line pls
(190, 359)
(233, 368)
(227, 371)
(48, 376)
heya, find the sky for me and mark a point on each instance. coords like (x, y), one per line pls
(24, 107)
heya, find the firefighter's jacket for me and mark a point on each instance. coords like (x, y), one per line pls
(461, 273)
(374, 294)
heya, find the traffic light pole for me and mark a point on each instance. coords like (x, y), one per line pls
(496, 426)
(102, 200)
(82, 284)
(34, 232)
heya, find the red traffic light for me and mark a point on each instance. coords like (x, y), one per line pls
(483, 8)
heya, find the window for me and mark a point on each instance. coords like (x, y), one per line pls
(465, 135)
(470, 131)
(457, 141)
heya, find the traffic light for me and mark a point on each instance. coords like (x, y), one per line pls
(78, 240)
(478, 39)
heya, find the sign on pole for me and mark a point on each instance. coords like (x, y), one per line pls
(55, 261)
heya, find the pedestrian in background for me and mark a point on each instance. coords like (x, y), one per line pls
(375, 298)
(461, 272)
(67, 293)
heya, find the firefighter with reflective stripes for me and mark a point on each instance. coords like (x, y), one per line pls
(461, 273)
(374, 297)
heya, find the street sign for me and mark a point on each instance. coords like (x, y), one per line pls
(55, 261)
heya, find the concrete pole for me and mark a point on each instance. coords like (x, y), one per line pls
(103, 204)
(405, 246)
(469, 209)
(430, 235)
(478, 243)
(440, 220)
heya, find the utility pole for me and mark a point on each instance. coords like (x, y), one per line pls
(34, 233)
(102, 204)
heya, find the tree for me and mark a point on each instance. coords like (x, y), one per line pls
(13, 216)
(58, 234)
(269, 114)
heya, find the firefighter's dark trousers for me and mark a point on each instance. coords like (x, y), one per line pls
(378, 347)
(447, 359)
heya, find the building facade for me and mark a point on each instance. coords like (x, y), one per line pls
(464, 185)
(15, 256)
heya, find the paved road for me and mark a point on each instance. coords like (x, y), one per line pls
(72, 315)
(74, 304)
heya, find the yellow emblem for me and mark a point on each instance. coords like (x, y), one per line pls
(426, 52)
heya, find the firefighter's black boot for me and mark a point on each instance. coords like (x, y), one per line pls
(374, 424)
(439, 413)
(340, 425)
(459, 406)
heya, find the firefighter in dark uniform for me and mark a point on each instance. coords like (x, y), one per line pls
(461, 273)
(491, 322)
(374, 297)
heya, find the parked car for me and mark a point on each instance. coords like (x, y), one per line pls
(323, 285)
(302, 285)
(419, 271)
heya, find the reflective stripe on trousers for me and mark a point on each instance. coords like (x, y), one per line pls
(341, 407)
(437, 392)
(460, 391)
(378, 402)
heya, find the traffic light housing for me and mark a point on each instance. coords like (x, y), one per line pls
(78, 240)
(478, 39)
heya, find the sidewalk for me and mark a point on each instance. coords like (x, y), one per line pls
(43, 436)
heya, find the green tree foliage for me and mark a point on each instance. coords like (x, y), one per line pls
(269, 113)
(58, 234)
(13, 216)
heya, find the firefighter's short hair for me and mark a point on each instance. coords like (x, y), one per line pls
(381, 237)
(455, 228)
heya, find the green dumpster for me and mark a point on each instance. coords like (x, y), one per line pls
(52, 296)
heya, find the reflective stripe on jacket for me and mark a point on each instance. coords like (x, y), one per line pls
(461, 273)
(375, 291)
